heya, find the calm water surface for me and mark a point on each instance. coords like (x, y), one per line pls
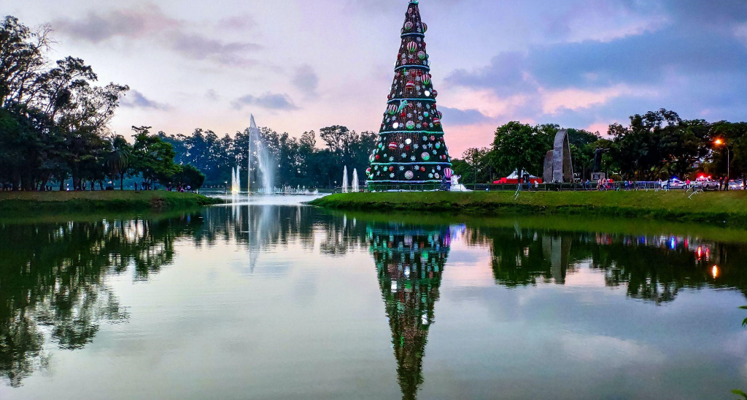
(285, 302)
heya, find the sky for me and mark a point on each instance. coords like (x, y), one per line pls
(301, 65)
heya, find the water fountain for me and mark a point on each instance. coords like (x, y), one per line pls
(265, 160)
(345, 180)
(355, 185)
(235, 181)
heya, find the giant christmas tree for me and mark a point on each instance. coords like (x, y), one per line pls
(411, 152)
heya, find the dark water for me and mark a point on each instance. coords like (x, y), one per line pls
(281, 302)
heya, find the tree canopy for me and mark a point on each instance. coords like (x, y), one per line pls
(54, 121)
(656, 145)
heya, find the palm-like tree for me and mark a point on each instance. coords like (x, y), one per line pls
(118, 160)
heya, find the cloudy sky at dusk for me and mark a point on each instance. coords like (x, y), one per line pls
(299, 65)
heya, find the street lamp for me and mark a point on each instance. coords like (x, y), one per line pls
(721, 142)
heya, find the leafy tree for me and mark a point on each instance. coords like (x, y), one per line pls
(521, 147)
(22, 60)
(657, 144)
(153, 158)
(55, 118)
(118, 159)
(474, 161)
(734, 136)
(188, 175)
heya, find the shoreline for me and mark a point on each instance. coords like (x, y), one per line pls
(722, 208)
(159, 200)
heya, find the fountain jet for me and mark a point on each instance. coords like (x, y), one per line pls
(355, 184)
(345, 180)
(265, 159)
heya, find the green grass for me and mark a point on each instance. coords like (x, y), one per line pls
(17, 202)
(722, 207)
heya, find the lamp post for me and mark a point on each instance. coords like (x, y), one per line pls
(721, 142)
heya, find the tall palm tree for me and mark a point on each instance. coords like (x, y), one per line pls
(118, 160)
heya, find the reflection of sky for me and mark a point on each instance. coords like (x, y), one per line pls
(578, 340)
(303, 324)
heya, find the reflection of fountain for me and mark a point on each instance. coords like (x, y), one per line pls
(345, 180)
(355, 185)
(410, 263)
(265, 159)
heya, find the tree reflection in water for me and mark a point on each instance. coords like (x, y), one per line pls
(53, 282)
(651, 268)
(410, 262)
(53, 275)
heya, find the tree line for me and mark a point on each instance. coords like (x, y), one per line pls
(655, 145)
(298, 162)
(54, 123)
(54, 130)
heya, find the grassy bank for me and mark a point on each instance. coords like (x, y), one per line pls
(722, 207)
(14, 202)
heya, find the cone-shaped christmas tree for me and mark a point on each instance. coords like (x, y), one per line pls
(411, 152)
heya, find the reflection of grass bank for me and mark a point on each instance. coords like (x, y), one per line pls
(18, 202)
(55, 217)
(729, 207)
(557, 223)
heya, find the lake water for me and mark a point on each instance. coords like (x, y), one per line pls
(286, 301)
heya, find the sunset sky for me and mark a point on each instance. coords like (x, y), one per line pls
(299, 65)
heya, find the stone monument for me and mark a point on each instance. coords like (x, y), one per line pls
(558, 162)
